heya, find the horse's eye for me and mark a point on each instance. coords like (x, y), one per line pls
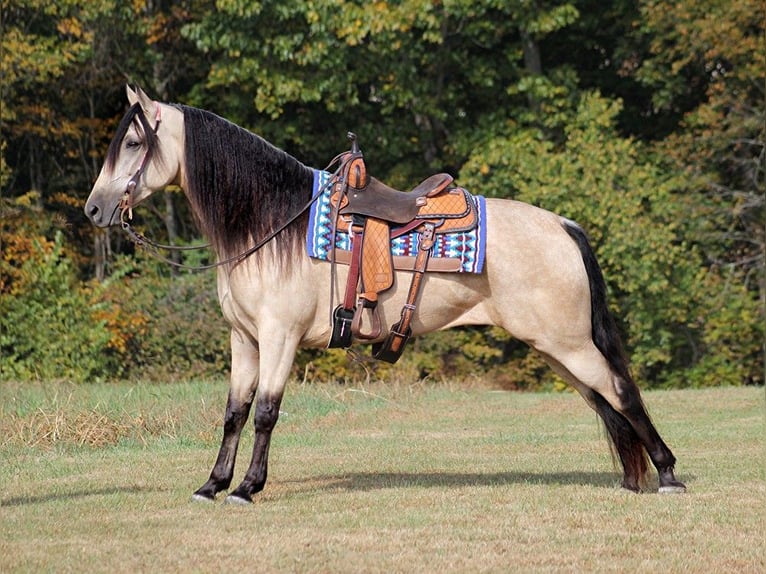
(132, 144)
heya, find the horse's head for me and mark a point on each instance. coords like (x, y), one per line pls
(144, 156)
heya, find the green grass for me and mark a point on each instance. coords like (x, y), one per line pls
(421, 478)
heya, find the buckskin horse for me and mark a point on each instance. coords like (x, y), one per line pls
(540, 282)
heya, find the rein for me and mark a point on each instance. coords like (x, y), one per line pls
(153, 248)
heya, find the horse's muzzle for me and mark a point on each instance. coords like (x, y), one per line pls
(100, 215)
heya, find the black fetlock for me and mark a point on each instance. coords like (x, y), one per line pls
(209, 490)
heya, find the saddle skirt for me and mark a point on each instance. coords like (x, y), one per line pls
(459, 243)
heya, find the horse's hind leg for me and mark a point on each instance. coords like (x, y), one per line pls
(597, 367)
(244, 380)
(630, 406)
(618, 401)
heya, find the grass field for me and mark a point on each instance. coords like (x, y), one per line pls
(421, 478)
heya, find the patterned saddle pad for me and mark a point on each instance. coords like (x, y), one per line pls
(454, 252)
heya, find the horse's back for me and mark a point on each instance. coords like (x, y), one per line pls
(511, 220)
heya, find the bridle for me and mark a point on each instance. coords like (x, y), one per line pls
(126, 203)
(126, 215)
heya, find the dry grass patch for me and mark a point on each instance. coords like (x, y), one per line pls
(45, 428)
(48, 427)
(65, 415)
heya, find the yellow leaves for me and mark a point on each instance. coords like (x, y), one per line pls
(111, 307)
(381, 18)
(66, 200)
(239, 8)
(158, 29)
(29, 199)
(312, 16)
(70, 27)
(122, 328)
(34, 59)
(16, 250)
(353, 32)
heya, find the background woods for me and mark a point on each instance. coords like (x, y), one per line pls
(644, 121)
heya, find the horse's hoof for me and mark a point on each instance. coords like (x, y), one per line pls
(631, 488)
(237, 500)
(678, 488)
(196, 497)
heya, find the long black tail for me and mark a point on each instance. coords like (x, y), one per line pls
(623, 438)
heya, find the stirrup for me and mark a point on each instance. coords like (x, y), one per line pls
(393, 346)
(357, 322)
(341, 328)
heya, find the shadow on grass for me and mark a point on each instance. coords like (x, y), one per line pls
(55, 496)
(375, 481)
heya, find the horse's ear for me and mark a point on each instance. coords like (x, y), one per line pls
(137, 95)
(132, 95)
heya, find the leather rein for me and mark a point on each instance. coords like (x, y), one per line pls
(126, 215)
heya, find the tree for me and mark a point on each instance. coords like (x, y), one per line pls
(539, 100)
(721, 147)
(415, 79)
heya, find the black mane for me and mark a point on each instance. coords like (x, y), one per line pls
(241, 187)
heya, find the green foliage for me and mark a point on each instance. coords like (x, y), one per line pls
(137, 324)
(51, 328)
(410, 78)
(712, 56)
(730, 321)
(182, 331)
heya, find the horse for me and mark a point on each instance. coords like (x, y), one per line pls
(541, 282)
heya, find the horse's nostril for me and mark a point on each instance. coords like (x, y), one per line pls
(93, 212)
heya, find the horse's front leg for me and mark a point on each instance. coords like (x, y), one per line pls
(277, 355)
(244, 380)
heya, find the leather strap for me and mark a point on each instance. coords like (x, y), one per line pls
(349, 298)
(407, 262)
(391, 349)
(421, 263)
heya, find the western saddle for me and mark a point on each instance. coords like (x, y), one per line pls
(373, 214)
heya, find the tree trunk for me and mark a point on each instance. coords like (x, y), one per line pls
(532, 62)
(172, 229)
(532, 59)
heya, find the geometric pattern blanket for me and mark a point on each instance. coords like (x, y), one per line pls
(464, 250)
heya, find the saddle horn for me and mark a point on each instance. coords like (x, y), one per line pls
(354, 143)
